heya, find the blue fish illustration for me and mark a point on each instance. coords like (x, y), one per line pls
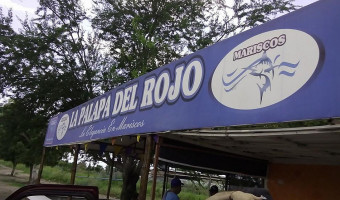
(263, 68)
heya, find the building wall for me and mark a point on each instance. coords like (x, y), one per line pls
(303, 182)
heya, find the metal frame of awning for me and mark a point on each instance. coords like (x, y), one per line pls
(299, 145)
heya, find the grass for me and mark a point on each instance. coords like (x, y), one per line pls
(16, 184)
(55, 174)
(62, 173)
(21, 167)
(12, 182)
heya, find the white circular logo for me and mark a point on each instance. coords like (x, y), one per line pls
(63, 126)
(265, 69)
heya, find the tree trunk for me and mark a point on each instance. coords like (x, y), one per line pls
(131, 172)
(30, 181)
(41, 167)
(145, 168)
(14, 165)
(110, 181)
(74, 164)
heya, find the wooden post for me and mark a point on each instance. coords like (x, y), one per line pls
(145, 168)
(110, 181)
(74, 165)
(41, 167)
(155, 164)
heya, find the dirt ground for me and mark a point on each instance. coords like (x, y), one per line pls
(9, 184)
(7, 181)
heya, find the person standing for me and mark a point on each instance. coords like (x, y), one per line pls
(213, 190)
(176, 187)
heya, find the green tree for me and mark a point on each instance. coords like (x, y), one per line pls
(145, 34)
(6, 34)
(10, 145)
(21, 137)
(50, 66)
(53, 65)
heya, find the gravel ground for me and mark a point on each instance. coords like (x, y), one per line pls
(6, 181)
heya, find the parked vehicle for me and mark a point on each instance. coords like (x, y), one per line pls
(55, 192)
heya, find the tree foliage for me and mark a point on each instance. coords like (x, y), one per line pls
(21, 137)
(6, 35)
(145, 34)
(11, 146)
(50, 66)
(53, 64)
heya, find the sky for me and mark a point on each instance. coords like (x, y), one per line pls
(23, 8)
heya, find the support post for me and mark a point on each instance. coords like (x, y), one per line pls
(227, 182)
(155, 164)
(110, 181)
(74, 165)
(41, 167)
(145, 168)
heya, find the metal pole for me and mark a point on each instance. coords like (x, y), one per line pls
(41, 165)
(110, 181)
(145, 169)
(155, 164)
(74, 165)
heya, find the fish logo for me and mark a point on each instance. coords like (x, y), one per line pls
(63, 126)
(265, 69)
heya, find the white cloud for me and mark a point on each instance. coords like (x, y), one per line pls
(16, 6)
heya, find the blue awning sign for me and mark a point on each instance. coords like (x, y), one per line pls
(285, 70)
